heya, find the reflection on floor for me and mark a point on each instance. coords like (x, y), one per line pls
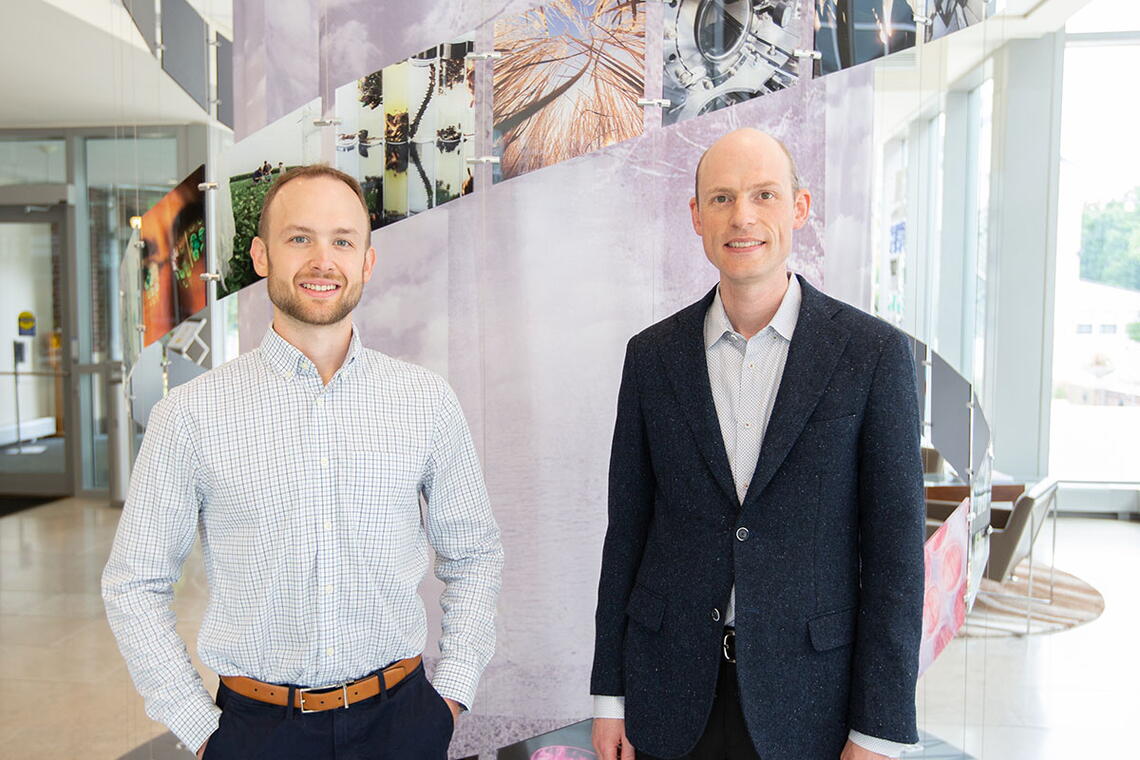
(65, 692)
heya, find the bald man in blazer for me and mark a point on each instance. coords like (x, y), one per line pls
(762, 576)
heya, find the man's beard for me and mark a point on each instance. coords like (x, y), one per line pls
(293, 305)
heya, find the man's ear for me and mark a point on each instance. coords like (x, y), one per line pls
(369, 263)
(259, 252)
(695, 212)
(802, 209)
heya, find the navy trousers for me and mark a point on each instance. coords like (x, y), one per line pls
(408, 722)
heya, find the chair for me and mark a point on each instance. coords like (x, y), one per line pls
(1014, 531)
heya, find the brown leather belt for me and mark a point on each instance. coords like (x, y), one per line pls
(325, 697)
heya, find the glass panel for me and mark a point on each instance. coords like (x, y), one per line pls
(31, 394)
(184, 48)
(31, 426)
(1096, 333)
(93, 427)
(24, 162)
(125, 177)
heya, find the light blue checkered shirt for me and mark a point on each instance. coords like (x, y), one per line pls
(307, 499)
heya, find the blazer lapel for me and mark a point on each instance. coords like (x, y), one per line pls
(815, 350)
(688, 373)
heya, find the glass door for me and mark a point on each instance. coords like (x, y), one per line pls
(35, 422)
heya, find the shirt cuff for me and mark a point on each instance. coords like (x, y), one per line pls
(881, 746)
(197, 724)
(456, 680)
(609, 707)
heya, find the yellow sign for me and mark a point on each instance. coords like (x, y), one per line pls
(27, 323)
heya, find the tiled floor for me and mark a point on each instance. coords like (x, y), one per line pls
(1066, 695)
(64, 689)
(65, 692)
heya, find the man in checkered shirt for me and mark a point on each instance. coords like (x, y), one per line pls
(316, 472)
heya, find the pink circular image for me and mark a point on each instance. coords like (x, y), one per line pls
(563, 753)
(931, 605)
(943, 637)
(952, 566)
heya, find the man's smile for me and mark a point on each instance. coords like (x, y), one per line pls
(744, 244)
(320, 288)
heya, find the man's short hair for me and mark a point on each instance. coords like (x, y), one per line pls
(797, 183)
(307, 172)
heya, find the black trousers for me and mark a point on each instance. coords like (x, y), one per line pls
(410, 721)
(726, 736)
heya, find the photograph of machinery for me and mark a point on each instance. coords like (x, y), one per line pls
(850, 32)
(948, 16)
(721, 52)
(567, 82)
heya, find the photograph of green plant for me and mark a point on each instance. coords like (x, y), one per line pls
(247, 193)
(406, 131)
(568, 81)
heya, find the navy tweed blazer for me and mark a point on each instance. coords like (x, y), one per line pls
(829, 578)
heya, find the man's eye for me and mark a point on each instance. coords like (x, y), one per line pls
(343, 243)
(767, 195)
(720, 199)
(299, 239)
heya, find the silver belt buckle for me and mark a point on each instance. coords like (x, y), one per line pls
(303, 692)
(724, 644)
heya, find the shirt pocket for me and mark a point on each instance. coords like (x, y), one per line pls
(380, 498)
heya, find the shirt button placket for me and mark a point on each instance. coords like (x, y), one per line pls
(326, 501)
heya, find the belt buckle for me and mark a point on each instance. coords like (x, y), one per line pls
(729, 636)
(344, 690)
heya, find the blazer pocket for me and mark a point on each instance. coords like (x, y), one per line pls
(833, 629)
(645, 608)
(832, 420)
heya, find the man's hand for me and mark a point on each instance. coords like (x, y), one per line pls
(456, 708)
(610, 741)
(852, 751)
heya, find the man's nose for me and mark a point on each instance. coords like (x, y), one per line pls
(322, 258)
(743, 214)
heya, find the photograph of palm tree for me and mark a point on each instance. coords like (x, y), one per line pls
(568, 82)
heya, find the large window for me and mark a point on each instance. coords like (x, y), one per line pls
(1096, 352)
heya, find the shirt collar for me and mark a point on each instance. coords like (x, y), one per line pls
(288, 360)
(783, 322)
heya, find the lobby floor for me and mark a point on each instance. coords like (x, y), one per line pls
(65, 691)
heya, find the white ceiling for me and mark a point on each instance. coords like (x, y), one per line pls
(83, 63)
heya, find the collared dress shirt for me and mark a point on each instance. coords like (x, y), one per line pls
(745, 376)
(317, 506)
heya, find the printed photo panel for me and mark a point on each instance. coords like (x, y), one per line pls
(948, 16)
(850, 32)
(568, 82)
(721, 52)
(406, 131)
(174, 258)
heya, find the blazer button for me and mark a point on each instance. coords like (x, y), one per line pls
(742, 534)
(715, 614)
